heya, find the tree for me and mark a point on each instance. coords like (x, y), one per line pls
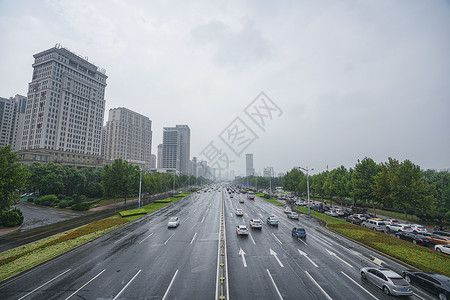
(382, 182)
(116, 179)
(13, 178)
(363, 177)
(292, 179)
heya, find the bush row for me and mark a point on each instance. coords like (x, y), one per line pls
(11, 218)
(75, 203)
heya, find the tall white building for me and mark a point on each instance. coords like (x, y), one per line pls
(249, 170)
(153, 164)
(65, 108)
(128, 135)
(176, 148)
(12, 113)
(159, 156)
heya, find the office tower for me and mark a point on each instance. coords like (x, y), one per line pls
(12, 112)
(153, 164)
(250, 171)
(128, 135)
(176, 148)
(160, 156)
(65, 108)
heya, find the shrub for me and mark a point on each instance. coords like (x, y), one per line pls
(37, 201)
(78, 198)
(80, 206)
(62, 204)
(69, 202)
(11, 218)
(30, 199)
(49, 200)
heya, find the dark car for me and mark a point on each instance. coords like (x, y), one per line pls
(443, 233)
(434, 283)
(418, 239)
(299, 232)
(353, 219)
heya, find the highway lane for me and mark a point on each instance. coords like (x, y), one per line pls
(139, 260)
(324, 266)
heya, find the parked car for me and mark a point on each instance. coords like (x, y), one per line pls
(239, 212)
(272, 220)
(173, 222)
(299, 232)
(390, 221)
(442, 248)
(360, 216)
(442, 233)
(374, 224)
(339, 211)
(256, 223)
(418, 239)
(353, 219)
(241, 230)
(435, 283)
(331, 213)
(438, 239)
(390, 282)
(292, 215)
(416, 228)
(398, 227)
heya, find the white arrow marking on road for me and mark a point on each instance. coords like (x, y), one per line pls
(242, 253)
(305, 255)
(246, 215)
(277, 238)
(276, 257)
(378, 261)
(334, 254)
(261, 216)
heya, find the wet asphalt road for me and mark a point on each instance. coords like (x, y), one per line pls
(146, 260)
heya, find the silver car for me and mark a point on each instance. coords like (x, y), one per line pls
(390, 282)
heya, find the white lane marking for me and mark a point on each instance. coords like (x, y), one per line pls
(231, 214)
(277, 238)
(186, 219)
(252, 210)
(261, 216)
(273, 282)
(193, 238)
(322, 240)
(170, 285)
(359, 285)
(122, 238)
(418, 296)
(86, 284)
(44, 284)
(246, 215)
(146, 237)
(169, 238)
(334, 254)
(252, 238)
(274, 254)
(203, 218)
(306, 255)
(242, 253)
(301, 240)
(195, 210)
(123, 289)
(321, 289)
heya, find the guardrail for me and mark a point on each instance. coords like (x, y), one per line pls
(222, 268)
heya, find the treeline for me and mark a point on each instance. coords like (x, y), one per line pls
(258, 182)
(393, 185)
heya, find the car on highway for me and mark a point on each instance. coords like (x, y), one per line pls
(239, 212)
(416, 228)
(241, 230)
(231, 195)
(434, 283)
(353, 219)
(292, 215)
(241, 200)
(390, 221)
(398, 227)
(251, 195)
(287, 209)
(390, 282)
(442, 248)
(272, 220)
(299, 232)
(374, 224)
(360, 216)
(173, 222)
(418, 239)
(256, 224)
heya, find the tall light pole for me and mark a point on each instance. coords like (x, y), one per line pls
(307, 186)
(140, 186)
(173, 190)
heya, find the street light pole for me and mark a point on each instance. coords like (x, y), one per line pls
(173, 190)
(307, 186)
(140, 186)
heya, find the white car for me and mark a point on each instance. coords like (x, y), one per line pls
(239, 212)
(331, 213)
(416, 228)
(292, 215)
(173, 222)
(398, 227)
(287, 209)
(442, 248)
(256, 223)
(242, 230)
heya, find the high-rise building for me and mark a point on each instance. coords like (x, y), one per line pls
(153, 164)
(12, 112)
(176, 148)
(160, 156)
(65, 109)
(128, 135)
(249, 170)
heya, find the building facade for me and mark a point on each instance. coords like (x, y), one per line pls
(65, 107)
(249, 170)
(159, 156)
(12, 113)
(128, 135)
(176, 148)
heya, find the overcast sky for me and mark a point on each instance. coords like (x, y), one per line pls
(348, 79)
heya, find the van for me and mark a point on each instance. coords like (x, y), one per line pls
(374, 224)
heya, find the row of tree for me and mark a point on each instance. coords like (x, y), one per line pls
(259, 182)
(392, 184)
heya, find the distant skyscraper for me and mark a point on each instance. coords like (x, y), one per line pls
(159, 156)
(249, 165)
(128, 135)
(12, 112)
(176, 148)
(65, 108)
(153, 164)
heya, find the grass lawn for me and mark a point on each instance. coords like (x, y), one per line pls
(271, 200)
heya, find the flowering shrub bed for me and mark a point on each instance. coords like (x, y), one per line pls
(133, 212)
(418, 256)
